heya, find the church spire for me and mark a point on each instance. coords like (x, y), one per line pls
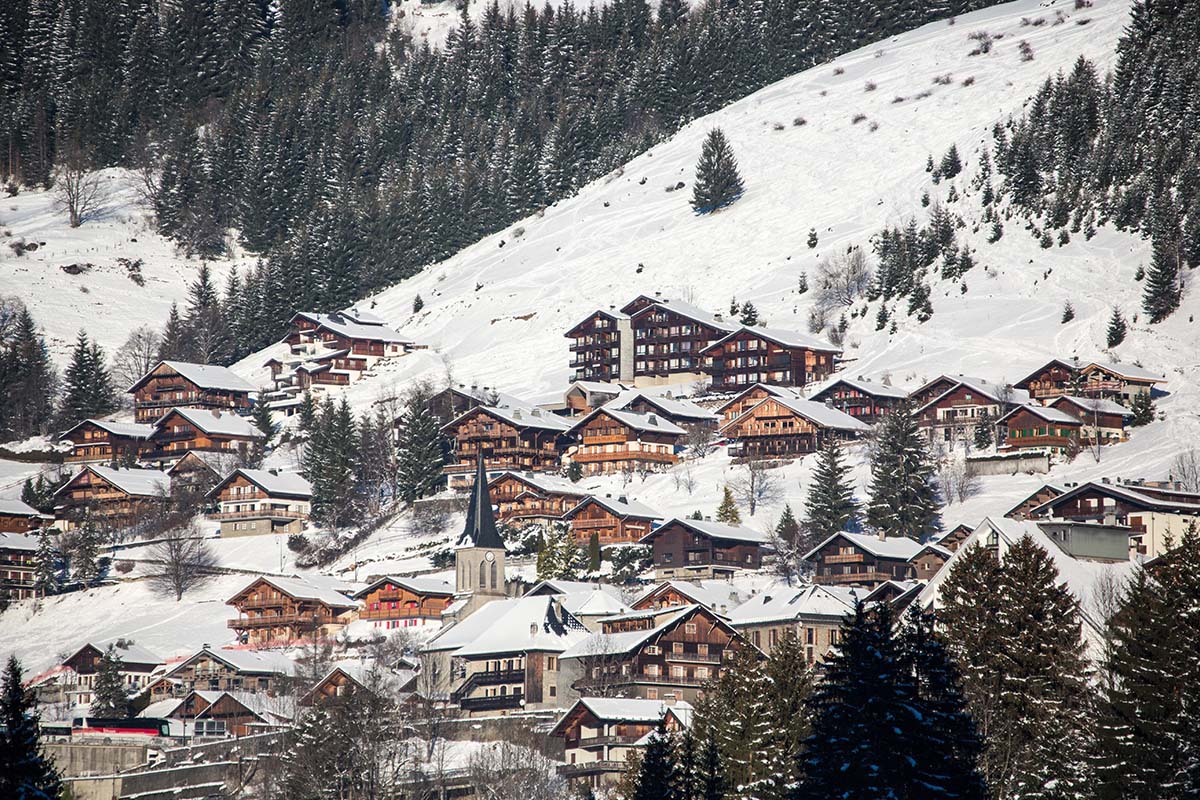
(480, 530)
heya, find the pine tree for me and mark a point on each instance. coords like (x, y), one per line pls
(306, 415)
(951, 164)
(329, 466)
(1163, 293)
(812, 242)
(1068, 312)
(728, 512)
(420, 450)
(1116, 328)
(735, 713)
(904, 499)
(788, 529)
(749, 315)
(26, 772)
(718, 183)
(574, 472)
(657, 776)
(173, 344)
(27, 381)
(110, 700)
(830, 507)
(261, 416)
(90, 568)
(417, 304)
(594, 553)
(88, 390)
(1142, 408)
(47, 566)
(984, 434)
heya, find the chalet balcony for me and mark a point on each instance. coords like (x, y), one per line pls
(854, 578)
(625, 455)
(499, 703)
(593, 524)
(612, 438)
(377, 614)
(694, 658)
(591, 768)
(280, 620)
(852, 558)
(259, 513)
(266, 602)
(496, 677)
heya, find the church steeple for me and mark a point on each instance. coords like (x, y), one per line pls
(479, 556)
(480, 530)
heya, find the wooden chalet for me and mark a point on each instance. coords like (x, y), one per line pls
(1101, 420)
(864, 400)
(108, 442)
(684, 413)
(748, 398)
(753, 355)
(454, 401)
(360, 334)
(514, 439)
(715, 594)
(612, 441)
(864, 560)
(18, 517)
(251, 502)
(669, 338)
(112, 497)
(952, 539)
(693, 548)
(184, 429)
(601, 347)
(78, 681)
(600, 734)
(1043, 494)
(18, 564)
(813, 613)
(655, 655)
(1154, 516)
(1054, 378)
(1104, 379)
(954, 413)
(200, 470)
(178, 383)
(928, 560)
(932, 390)
(779, 427)
(346, 678)
(611, 520)
(219, 669)
(585, 396)
(394, 602)
(521, 497)
(205, 714)
(1039, 427)
(274, 610)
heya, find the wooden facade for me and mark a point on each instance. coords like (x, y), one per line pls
(617, 441)
(1043, 494)
(954, 414)
(112, 497)
(274, 611)
(600, 734)
(137, 666)
(783, 428)
(404, 602)
(611, 522)
(181, 430)
(97, 441)
(758, 355)
(669, 338)
(856, 559)
(596, 346)
(1100, 419)
(520, 497)
(256, 502)
(17, 517)
(749, 398)
(1035, 427)
(223, 670)
(18, 565)
(952, 539)
(509, 439)
(166, 386)
(1055, 378)
(684, 548)
(860, 399)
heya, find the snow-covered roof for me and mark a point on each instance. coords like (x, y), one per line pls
(669, 406)
(1129, 493)
(16, 508)
(694, 313)
(283, 484)
(551, 484)
(218, 423)
(219, 462)
(889, 547)
(1128, 371)
(362, 316)
(132, 430)
(823, 415)
(993, 391)
(592, 603)
(780, 601)
(770, 389)
(301, 589)
(618, 506)
(18, 541)
(129, 652)
(718, 595)
(161, 708)
(715, 530)
(251, 662)
(140, 482)
(1100, 405)
(531, 623)
(781, 337)
(519, 418)
(557, 586)
(866, 387)
(611, 644)
(206, 376)
(491, 397)
(628, 709)
(598, 387)
(418, 584)
(344, 325)
(1043, 412)
(654, 423)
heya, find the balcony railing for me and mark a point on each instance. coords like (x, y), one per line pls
(398, 613)
(625, 455)
(694, 658)
(314, 620)
(857, 577)
(852, 558)
(592, 767)
(259, 513)
(494, 677)
(498, 703)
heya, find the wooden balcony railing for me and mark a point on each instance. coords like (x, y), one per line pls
(259, 513)
(313, 620)
(592, 767)
(870, 576)
(626, 455)
(498, 703)
(852, 558)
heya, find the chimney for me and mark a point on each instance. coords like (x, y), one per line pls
(882, 535)
(653, 419)
(537, 412)
(658, 294)
(621, 499)
(516, 413)
(670, 699)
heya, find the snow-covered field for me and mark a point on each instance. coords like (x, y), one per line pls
(625, 235)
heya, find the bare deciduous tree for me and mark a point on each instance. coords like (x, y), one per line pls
(77, 187)
(508, 770)
(756, 485)
(682, 477)
(1186, 470)
(700, 440)
(842, 278)
(134, 359)
(185, 561)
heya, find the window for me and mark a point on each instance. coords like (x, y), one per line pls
(689, 627)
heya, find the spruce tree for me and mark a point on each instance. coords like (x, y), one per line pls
(984, 434)
(420, 450)
(1163, 292)
(712, 771)
(811, 242)
(261, 416)
(749, 314)
(830, 507)
(87, 390)
(788, 529)
(27, 380)
(174, 344)
(110, 700)
(26, 772)
(47, 566)
(1142, 408)
(89, 566)
(658, 774)
(904, 499)
(735, 711)
(1116, 328)
(717, 183)
(594, 552)
(306, 415)
(1068, 312)
(728, 512)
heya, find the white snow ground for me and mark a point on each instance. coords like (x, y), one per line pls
(842, 178)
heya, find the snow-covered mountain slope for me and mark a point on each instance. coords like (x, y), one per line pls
(102, 299)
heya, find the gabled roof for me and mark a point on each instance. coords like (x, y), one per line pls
(685, 309)
(1052, 487)
(599, 387)
(217, 423)
(283, 484)
(218, 462)
(819, 414)
(1043, 412)
(480, 529)
(18, 541)
(558, 586)
(620, 507)
(670, 407)
(713, 530)
(1130, 372)
(1074, 365)
(362, 316)
(779, 337)
(1127, 493)
(419, 584)
(646, 423)
(612, 314)
(770, 389)
(717, 595)
(137, 482)
(129, 652)
(538, 623)
(594, 602)
(780, 601)
(131, 430)
(206, 376)
(343, 325)
(614, 644)
(300, 589)
(517, 417)
(992, 391)
(900, 547)
(866, 387)
(16, 508)
(488, 396)
(621, 709)
(1100, 405)
(550, 484)
(249, 662)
